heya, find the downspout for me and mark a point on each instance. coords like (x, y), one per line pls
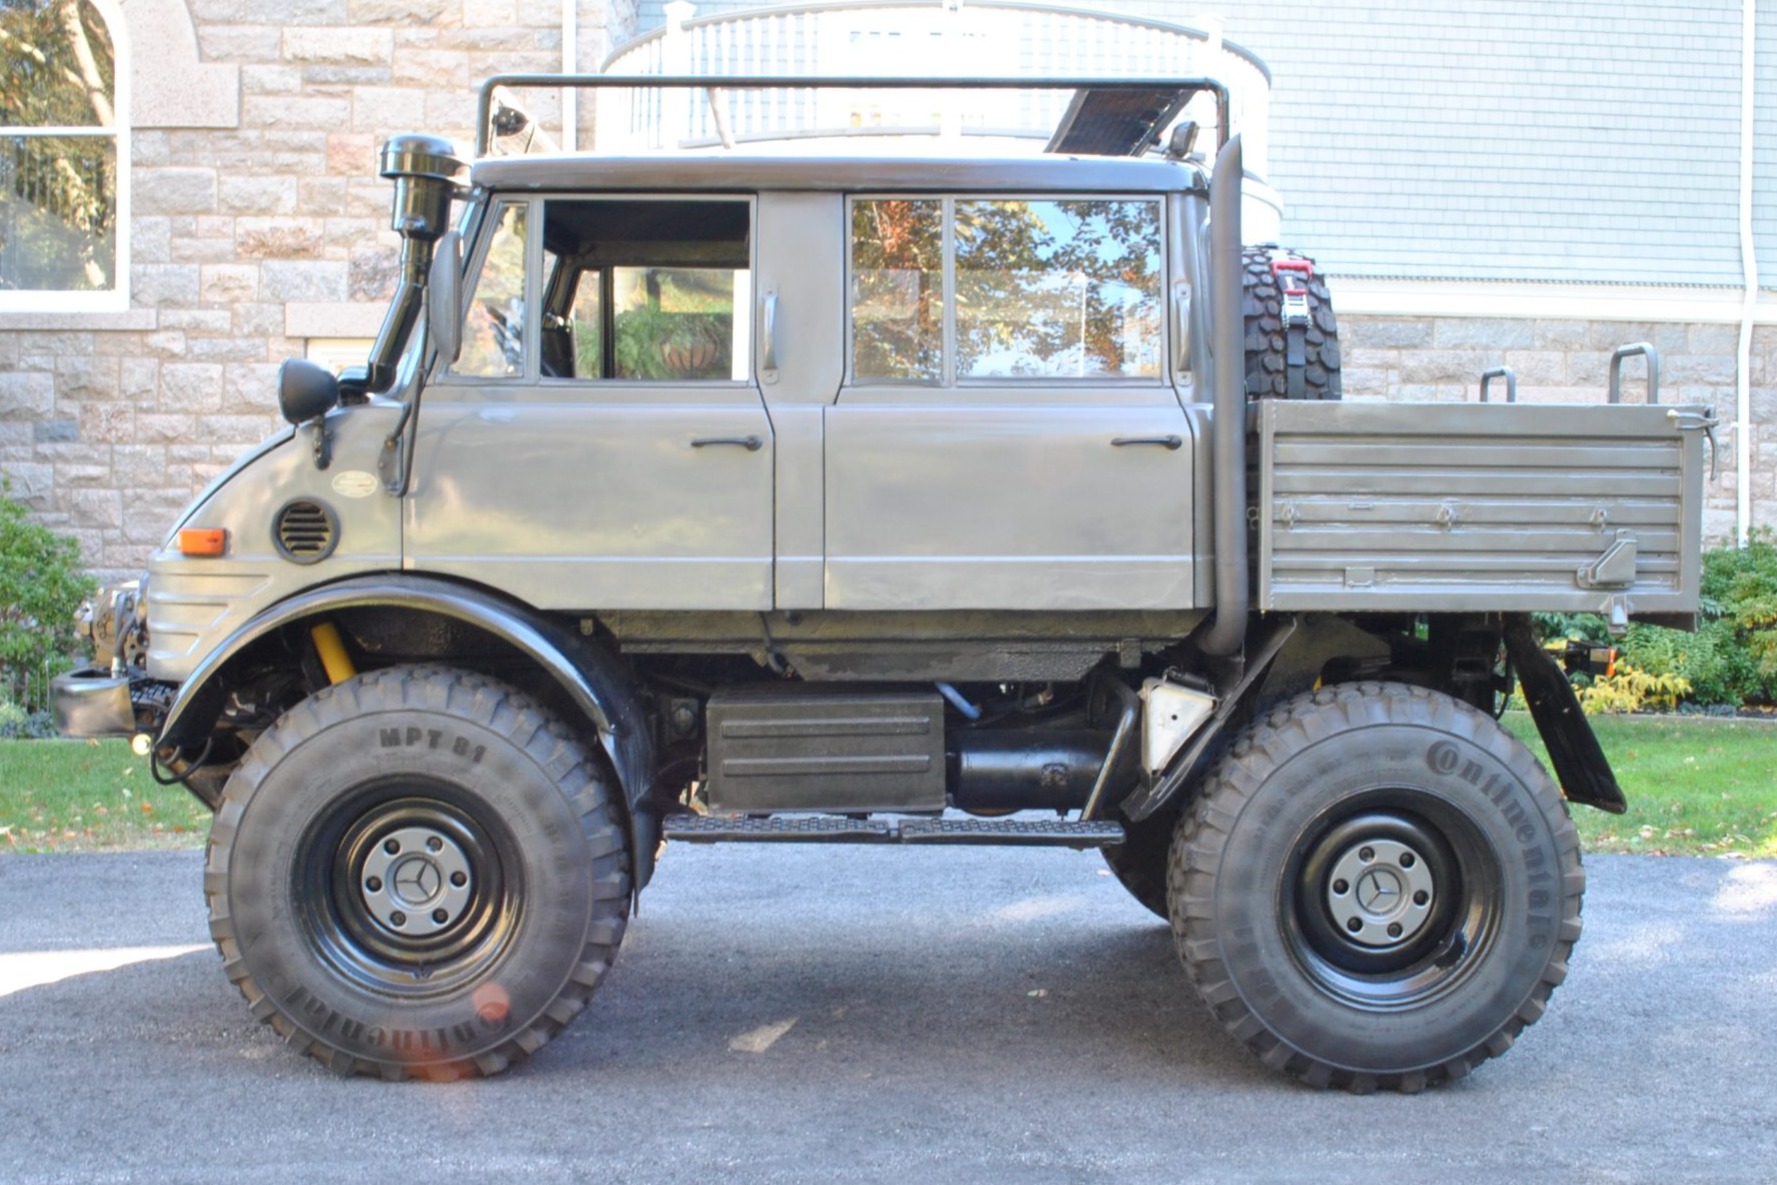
(1227, 629)
(1749, 270)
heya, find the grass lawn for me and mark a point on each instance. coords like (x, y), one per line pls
(1695, 787)
(84, 796)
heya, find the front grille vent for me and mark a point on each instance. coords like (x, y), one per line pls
(305, 531)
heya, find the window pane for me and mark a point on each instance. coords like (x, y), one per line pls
(586, 321)
(673, 322)
(1057, 289)
(59, 65)
(493, 337)
(58, 213)
(897, 293)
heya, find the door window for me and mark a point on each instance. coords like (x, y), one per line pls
(493, 336)
(1057, 289)
(948, 290)
(897, 290)
(648, 290)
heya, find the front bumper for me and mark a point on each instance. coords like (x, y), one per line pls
(92, 702)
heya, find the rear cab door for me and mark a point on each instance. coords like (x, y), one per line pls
(1008, 436)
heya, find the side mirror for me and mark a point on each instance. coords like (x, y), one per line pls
(444, 298)
(305, 390)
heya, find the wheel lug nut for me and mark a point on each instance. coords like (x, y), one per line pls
(440, 916)
(374, 884)
(398, 918)
(1341, 887)
(1366, 854)
(1407, 860)
(391, 846)
(1421, 897)
(459, 879)
(1394, 929)
(1354, 925)
(434, 844)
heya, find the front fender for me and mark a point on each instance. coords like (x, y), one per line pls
(586, 672)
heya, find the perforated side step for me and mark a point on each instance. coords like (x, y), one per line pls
(778, 829)
(833, 829)
(1059, 833)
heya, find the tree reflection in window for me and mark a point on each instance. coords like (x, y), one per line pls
(1057, 289)
(58, 148)
(493, 337)
(897, 296)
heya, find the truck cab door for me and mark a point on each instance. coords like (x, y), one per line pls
(600, 442)
(1008, 436)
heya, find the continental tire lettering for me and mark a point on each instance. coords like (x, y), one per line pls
(1443, 757)
(323, 1020)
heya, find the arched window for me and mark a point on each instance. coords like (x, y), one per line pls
(64, 157)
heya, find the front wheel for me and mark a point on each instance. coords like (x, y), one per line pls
(1377, 888)
(417, 872)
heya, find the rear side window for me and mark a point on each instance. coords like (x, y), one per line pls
(897, 289)
(947, 290)
(1057, 289)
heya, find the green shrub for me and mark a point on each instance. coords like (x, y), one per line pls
(1732, 657)
(41, 586)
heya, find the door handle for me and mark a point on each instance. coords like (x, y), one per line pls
(1172, 443)
(751, 443)
(769, 362)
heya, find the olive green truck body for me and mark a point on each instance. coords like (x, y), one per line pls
(886, 499)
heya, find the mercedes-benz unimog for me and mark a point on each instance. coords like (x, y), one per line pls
(784, 497)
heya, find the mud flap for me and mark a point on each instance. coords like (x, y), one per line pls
(1580, 764)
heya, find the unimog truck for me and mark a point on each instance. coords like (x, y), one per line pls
(761, 496)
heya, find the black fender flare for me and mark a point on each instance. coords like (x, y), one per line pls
(587, 673)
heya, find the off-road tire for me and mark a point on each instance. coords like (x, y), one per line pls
(479, 781)
(1140, 862)
(1296, 812)
(1266, 339)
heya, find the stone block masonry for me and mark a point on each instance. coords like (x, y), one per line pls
(1442, 358)
(244, 240)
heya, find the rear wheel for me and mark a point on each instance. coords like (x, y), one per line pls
(1377, 888)
(417, 872)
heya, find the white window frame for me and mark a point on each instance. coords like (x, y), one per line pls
(117, 298)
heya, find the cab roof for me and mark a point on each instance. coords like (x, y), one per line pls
(717, 172)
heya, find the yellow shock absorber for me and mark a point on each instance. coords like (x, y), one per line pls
(332, 649)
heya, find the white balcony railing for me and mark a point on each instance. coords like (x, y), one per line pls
(918, 39)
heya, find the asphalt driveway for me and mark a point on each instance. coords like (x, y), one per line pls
(849, 1015)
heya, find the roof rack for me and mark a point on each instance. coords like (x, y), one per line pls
(1107, 117)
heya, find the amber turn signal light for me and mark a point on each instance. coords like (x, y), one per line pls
(203, 541)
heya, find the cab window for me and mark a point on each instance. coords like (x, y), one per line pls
(493, 334)
(973, 289)
(647, 290)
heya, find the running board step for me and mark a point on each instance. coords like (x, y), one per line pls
(835, 829)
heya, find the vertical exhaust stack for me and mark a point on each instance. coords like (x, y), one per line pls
(1227, 629)
(425, 171)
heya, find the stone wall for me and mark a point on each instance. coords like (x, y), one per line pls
(1442, 358)
(249, 242)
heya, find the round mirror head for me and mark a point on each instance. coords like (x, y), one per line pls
(306, 390)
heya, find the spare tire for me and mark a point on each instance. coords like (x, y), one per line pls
(1267, 337)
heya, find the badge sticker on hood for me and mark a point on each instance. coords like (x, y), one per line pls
(355, 483)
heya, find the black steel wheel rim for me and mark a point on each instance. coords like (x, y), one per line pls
(411, 886)
(1391, 899)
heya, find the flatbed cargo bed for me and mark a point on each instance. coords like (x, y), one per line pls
(1429, 507)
